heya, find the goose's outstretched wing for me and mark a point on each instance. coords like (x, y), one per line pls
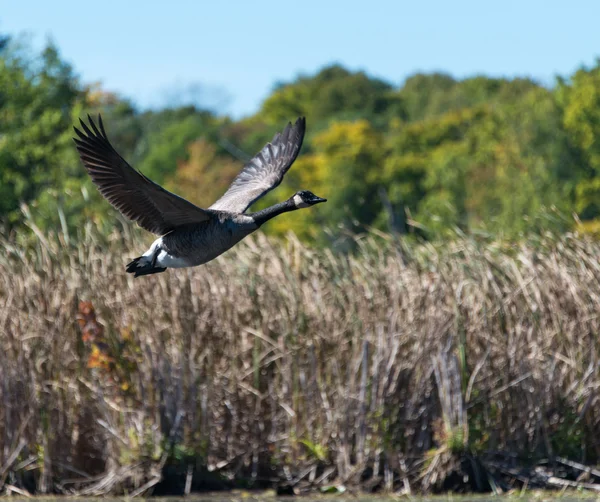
(265, 171)
(135, 196)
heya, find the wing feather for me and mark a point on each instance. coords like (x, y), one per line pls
(265, 171)
(128, 190)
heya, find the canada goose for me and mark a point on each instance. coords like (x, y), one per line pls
(190, 235)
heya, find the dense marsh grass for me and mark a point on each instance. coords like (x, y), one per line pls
(278, 363)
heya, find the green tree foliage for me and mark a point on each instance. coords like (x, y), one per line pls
(426, 96)
(505, 156)
(426, 170)
(215, 171)
(167, 135)
(338, 168)
(502, 169)
(332, 94)
(580, 100)
(38, 97)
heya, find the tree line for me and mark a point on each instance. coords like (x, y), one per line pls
(436, 155)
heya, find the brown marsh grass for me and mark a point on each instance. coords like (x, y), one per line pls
(278, 363)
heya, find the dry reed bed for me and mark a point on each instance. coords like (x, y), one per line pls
(281, 363)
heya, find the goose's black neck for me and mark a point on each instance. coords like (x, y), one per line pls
(265, 215)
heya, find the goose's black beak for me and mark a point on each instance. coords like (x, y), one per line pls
(319, 199)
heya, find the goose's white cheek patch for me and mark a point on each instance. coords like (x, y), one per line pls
(298, 202)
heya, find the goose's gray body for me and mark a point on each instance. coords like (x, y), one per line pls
(190, 235)
(200, 243)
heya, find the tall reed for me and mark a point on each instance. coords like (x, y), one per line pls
(281, 363)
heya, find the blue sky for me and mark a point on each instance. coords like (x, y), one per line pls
(229, 54)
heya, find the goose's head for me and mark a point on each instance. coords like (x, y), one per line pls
(305, 198)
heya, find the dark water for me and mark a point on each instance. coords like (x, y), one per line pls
(270, 497)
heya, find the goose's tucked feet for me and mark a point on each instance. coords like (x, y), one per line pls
(140, 266)
(155, 270)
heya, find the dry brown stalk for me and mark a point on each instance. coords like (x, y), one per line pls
(278, 361)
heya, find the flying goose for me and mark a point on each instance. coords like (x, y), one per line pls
(190, 235)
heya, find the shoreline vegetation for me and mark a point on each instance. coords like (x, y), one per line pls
(397, 368)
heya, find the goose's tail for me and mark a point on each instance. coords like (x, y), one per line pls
(142, 265)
